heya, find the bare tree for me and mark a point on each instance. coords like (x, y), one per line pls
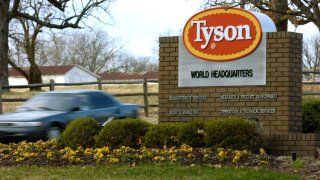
(25, 37)
(59, 14)
(298, 12)
(91, 50)
(311, 53)
(126, 62)
(56, 51)
(121, 63)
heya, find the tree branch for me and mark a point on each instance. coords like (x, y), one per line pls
(19, 69)
(57, 4)
(63, 25)
(14, 10)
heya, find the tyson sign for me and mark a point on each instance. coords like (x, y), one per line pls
(221, 34)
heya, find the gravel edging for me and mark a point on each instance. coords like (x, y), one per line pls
(306, 167)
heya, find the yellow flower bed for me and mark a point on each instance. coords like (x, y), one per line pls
(47, 153)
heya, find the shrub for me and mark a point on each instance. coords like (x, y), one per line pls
(232, 133)
(311, 115)
(164, 134)
(124, 132)
(80, 132)
(192, 133)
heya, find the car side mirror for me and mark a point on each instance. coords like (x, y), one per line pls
(75, 109)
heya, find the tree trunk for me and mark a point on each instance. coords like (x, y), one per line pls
(4, 31)
(34, 76)
(279, 19)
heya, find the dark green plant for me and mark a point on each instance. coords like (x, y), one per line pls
(311, 115)
(297, 164)
(124, 132)
(232, 133)
(192, 133)
(80, 132)
(164, 134)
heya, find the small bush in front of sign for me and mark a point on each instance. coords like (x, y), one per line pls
(192, 133)
(232, 133)
(311, 115)
(163, 135)
(124, 132)
(80, 132)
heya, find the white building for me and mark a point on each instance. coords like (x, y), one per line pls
(60, 74)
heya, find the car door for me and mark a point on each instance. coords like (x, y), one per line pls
(83, 105)
(104, 108)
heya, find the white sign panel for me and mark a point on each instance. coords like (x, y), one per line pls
(249, 70)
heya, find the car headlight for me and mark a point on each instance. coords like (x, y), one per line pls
(26, 124)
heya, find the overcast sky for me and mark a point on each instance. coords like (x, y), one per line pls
(140, 22)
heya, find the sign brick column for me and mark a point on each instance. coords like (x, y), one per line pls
(284, 76)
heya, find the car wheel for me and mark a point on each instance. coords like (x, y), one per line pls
(53, 133)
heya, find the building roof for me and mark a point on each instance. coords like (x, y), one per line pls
(50, 70)
(152, 75)
(128, 76)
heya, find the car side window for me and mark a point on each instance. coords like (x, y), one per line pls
(100, 101)
(84, 102)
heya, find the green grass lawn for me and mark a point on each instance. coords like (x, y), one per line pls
(146, 171)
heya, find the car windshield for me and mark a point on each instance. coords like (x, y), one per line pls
(49, 101)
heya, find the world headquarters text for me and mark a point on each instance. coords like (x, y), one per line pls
(222, 73)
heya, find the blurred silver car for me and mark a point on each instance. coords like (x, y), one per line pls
(45, 115)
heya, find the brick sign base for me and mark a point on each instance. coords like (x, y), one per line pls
(276, 106)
